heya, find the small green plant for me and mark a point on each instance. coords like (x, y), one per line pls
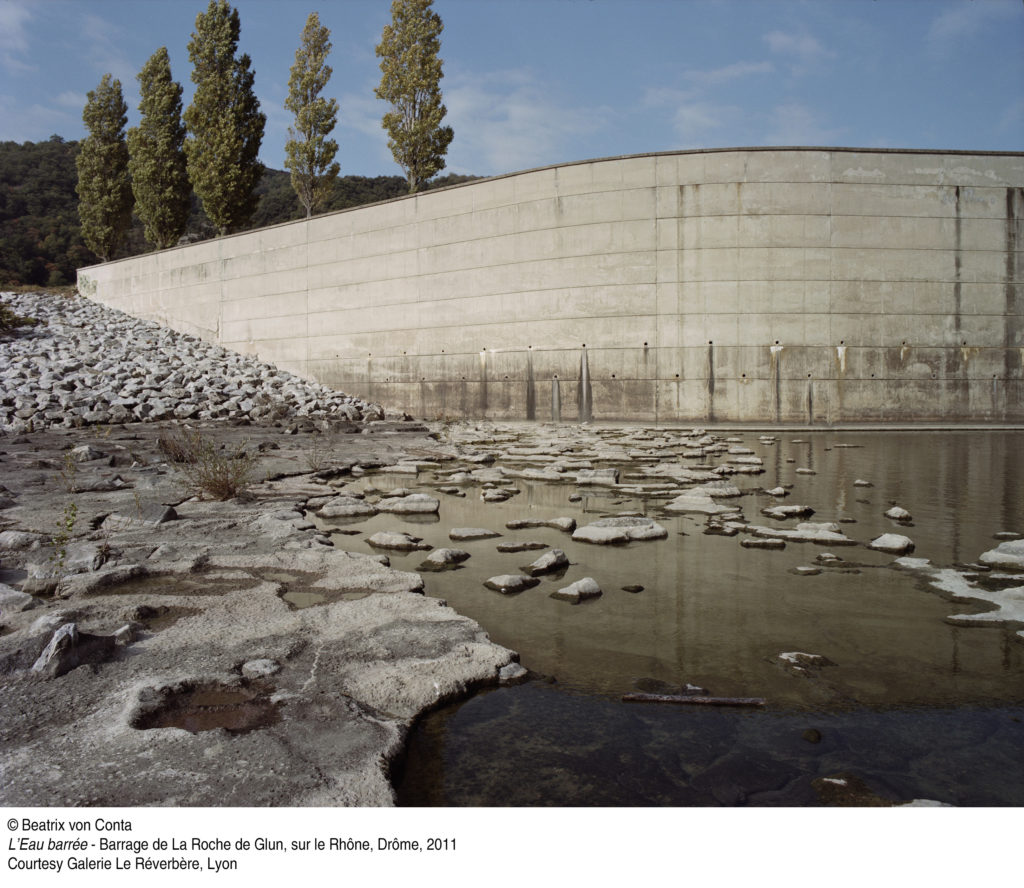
(69, 473)
(317, 456)
(9, 321)
(60, 540)
(207, 469)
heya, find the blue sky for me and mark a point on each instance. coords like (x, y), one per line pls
(535, 82)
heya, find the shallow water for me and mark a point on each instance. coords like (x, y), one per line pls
(717, 615)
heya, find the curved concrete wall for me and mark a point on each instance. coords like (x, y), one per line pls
(797, 285)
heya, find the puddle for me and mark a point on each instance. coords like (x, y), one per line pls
(212, 583)
(299, 598)
(159, 617)
(207, 707)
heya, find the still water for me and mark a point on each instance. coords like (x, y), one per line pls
(914, 704)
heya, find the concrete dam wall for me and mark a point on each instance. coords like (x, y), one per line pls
(770, 285)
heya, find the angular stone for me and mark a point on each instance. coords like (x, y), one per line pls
(578, 591)
(69, 648)
(510, 584)
(549, 562)
(13, 601)
(441, 559)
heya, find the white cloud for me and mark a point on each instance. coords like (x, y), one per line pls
(695, 120)
(729, 72)
(105, 54)
(965, 20)
(71, 99)
(801, 50)
(35, 122)
(1013, 117)
(508, 120)
(13, 36)
(796, 124)
(361, 113)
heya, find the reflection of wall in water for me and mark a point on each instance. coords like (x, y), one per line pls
(794, 285)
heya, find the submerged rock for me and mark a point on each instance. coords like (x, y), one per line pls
(525, 546)
(699, 501)
(823, 533)
(791, 511)
(471, 533)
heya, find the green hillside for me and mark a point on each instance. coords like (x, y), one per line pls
(40, 237)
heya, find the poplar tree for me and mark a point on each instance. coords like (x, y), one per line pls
(310, 154)
(157, 158)
(104, 186)
(410, 83)
(224, 121)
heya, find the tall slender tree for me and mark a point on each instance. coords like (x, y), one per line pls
(157, 158)
(310, 154)
(104, 185)
(224, 121)
(410, 82)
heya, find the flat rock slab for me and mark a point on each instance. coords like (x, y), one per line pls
(894, 543)
(619, 530)
(566, 525)
(471, 533)
(1008, 555)
(525, 546)
(822, 533)
(346, 507)
(413, 504)
(397, 540)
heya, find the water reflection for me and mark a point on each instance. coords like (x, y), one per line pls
(717, 615)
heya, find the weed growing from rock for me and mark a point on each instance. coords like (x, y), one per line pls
(208, 470)
(60, 539)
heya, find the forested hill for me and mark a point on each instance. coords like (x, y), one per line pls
(40, 237)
